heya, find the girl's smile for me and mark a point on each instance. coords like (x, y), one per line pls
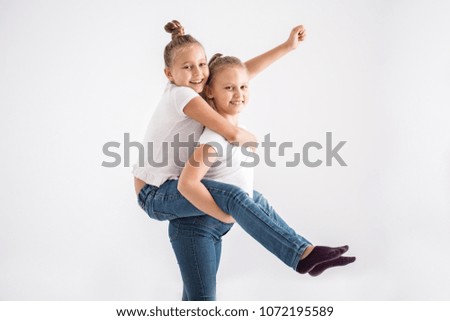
(189, 68)
(229, 91)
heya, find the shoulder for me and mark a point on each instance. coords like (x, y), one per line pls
(208, 134)
(179, 96)
(175, 90)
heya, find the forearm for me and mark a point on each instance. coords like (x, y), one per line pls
(261, 62)
(199, 196)
(199, 110)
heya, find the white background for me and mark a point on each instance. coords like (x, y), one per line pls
(77, 74)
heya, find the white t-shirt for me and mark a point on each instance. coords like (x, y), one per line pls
(228, 168)
(168, 125)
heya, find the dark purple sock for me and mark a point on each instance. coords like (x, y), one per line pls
(318, 255)
(340, 261)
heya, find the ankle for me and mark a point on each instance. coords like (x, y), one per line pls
(307, 252)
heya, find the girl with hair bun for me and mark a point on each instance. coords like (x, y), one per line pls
(174, 129)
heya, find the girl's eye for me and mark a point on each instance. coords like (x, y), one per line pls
(229, 88)
(202, 64)
(187, 67)
(245, 87)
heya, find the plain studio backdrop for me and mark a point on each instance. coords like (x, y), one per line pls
(75, 75)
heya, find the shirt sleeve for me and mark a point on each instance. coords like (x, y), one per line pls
(181, 97)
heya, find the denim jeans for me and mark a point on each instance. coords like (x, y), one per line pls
(254, 215)
(197, 243)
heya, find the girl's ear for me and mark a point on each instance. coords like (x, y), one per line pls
(168, 74)
(208, 92)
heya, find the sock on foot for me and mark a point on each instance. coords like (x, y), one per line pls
(318, 255)
(340, 261)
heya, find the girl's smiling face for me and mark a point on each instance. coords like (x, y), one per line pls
(229, 90)
(189, 68)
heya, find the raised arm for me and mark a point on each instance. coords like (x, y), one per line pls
(191, 187)
(261, 62)
(199, 110)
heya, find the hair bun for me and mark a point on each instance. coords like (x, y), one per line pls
(175, 28)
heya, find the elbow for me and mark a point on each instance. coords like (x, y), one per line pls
(183, 186)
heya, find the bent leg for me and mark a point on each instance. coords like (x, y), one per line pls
(166, 203)
(260, 221)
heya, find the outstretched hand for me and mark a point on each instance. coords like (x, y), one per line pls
(261, 62)
(297, 34)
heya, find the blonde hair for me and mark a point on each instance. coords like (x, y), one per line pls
(179, 40)
(218, 62)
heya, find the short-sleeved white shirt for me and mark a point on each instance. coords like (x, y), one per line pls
(162, 161)
(228, 168)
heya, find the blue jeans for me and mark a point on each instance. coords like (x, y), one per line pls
(254, 215)
(197, 243)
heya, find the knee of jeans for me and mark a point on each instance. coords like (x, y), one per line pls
(237, 193)
(256, 195)
(241, 195)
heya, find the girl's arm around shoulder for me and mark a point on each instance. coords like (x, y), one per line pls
(199, 110)
(191, 187)
(261, 62)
